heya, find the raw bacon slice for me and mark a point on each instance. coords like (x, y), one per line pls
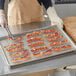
(49, 30)
(57, 42)
(54, 38)
(51, 35)
(36, 44)
(32, 34)
(34, 39)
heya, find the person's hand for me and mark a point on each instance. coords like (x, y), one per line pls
(3, 21)
(55, 19)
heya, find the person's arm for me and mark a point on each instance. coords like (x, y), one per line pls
(55, 19)
(3, 22)
(46, 3)
(2, 4)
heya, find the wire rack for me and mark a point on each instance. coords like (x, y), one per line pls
(6, 42)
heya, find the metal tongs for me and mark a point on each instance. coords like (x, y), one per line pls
(9, 33)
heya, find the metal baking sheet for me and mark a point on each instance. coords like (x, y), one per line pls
(6, 42)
